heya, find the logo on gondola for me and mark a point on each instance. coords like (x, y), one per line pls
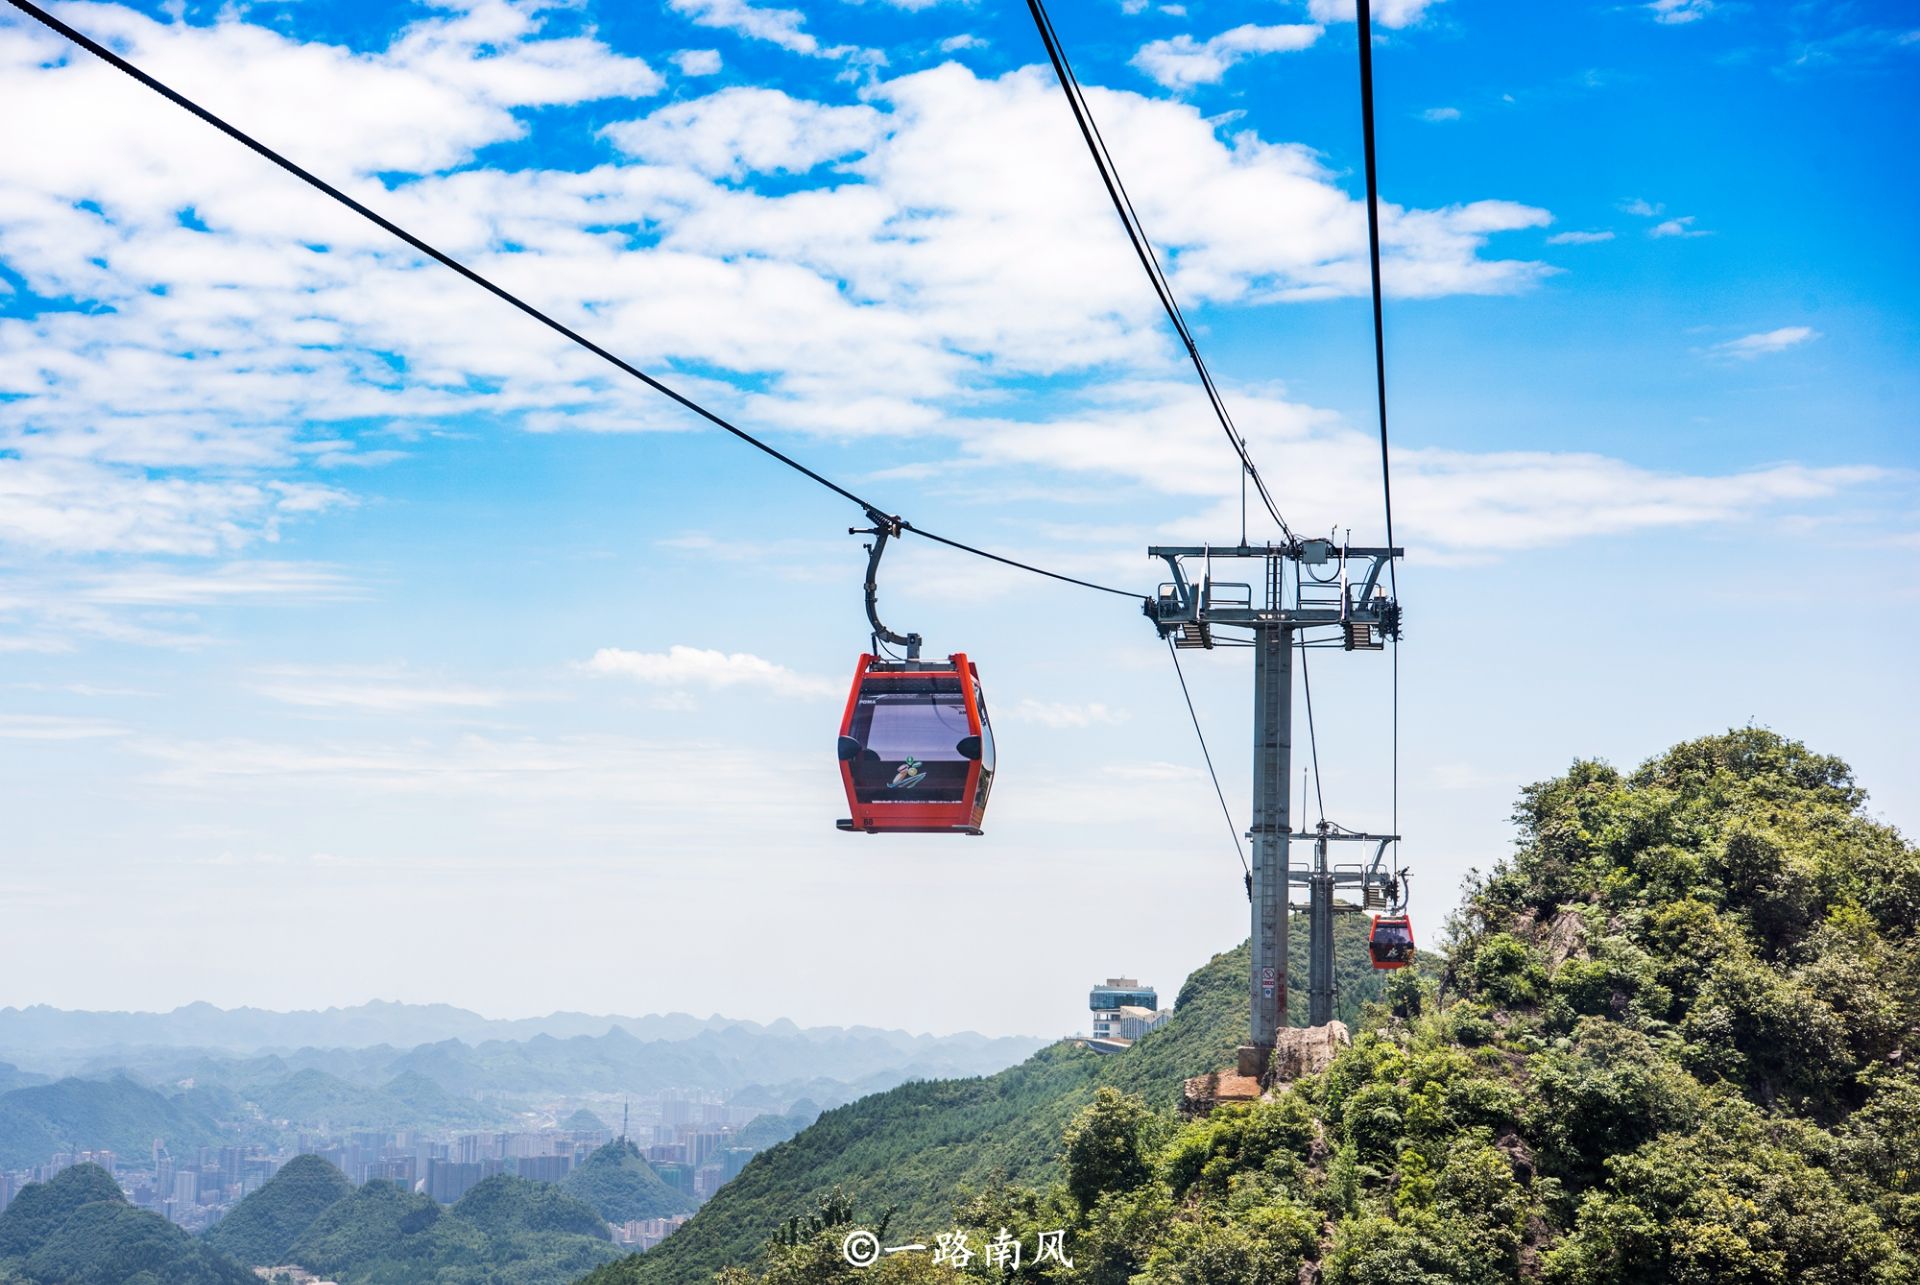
(911, 773)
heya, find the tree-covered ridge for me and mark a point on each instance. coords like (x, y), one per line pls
(1669, 1043)
(506, 1231)
(621, 1186)
(260, 1231)
(78, 1229)
(114, 1114)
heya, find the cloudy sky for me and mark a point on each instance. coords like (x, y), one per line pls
(360, 638)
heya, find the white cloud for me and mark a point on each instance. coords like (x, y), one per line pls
(238, 347)
(504, 775)
(82, 506)
(1680, 227)
(1641, 207)
(47, 727)
(1458, 505)
(686, 667)
(1182, 62)
(783, 27)
(1438, 115)
(1674, 12)
(1387, 13)
(1057, 714)
(1748, 347)
(257, 581)
(965, 40)
(1579, 238)
(776, 26)
(697, 62)
(748, 130)
(387, 689)
(961, 243)
(149, 604)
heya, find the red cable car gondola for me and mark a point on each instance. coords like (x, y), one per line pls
(1390, 941)
(916, 750)
(915, 747)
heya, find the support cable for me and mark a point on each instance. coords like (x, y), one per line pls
(1219, 793)
(1313, 741)
(246, 140)
(1143, 247)
(1364, 13)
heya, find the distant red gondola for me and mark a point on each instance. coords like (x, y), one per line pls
(916, 750)
(1390, 942)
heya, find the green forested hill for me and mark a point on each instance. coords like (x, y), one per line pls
(77, 1229)
(261, 1229)
(1669, 1042)
(618, 1182)
(506, 1231)
(114, 1114)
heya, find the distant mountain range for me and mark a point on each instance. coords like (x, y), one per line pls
(38, 1035)
(123, 1094)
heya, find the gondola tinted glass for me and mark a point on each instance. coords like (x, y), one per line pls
(1390, 943)
(910, 730)
(916, 753)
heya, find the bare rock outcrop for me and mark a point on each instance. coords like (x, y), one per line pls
(1203, 1093)
(1566, 938)
(1307, 1050)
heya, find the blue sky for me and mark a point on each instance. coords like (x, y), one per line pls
(360, 639)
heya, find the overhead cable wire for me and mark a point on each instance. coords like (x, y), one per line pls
(1313, 741)
(500, 292)
(1364, 13)
(1143, 246)
(1219, 793)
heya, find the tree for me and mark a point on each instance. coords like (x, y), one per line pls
(1107, 1146)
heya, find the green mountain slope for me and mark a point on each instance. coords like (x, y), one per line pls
(79, 1230)
(261, 1229)
(37, 1212)
(114, 1115)
(618, 1182)
(381, 1232)
(506, 1231)
(504, 1207)
(537, 1232)
(1668, 1043)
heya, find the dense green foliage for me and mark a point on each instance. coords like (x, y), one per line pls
(78, 1229)
(37, 1212)
(506, 1207)
(1667, 1043)
(506, 1231)
(92, 1115)
(618, 1182)
(261, 1229)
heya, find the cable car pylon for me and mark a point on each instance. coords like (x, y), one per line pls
(1313, 593)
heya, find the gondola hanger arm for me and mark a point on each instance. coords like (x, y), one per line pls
(884, 527)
